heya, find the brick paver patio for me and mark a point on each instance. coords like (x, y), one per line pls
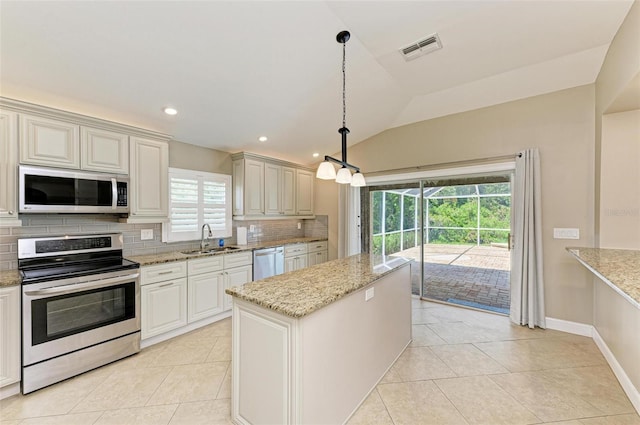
(472, 275)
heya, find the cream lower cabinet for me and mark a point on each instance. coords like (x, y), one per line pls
(10, 331)
(295, 257)
(317, 253)
(8, 169)
(164, 298)
(206, 285)
(149, 179)
(238, 270)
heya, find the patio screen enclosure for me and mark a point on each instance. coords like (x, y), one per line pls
(454, 215)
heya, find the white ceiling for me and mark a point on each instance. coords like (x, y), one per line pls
(236, 70)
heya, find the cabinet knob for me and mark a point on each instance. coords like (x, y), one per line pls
(10, 212)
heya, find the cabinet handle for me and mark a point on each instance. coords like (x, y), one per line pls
(166, 284)
(168, 272)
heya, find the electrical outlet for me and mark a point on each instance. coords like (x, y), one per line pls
(368, 294)
(568, 233)
(299, 226)
(252, 228)
(146, 234)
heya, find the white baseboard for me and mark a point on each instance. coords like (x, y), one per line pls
(588, 330)
(628, 387)
(575, 328)
(9, 390)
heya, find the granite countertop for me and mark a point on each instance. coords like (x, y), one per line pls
(301, 292)
(619, 268)
(168, 257)
(10, 278)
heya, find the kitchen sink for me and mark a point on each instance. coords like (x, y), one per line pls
(210, 250)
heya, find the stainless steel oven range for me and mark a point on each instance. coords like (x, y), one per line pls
(80, 306)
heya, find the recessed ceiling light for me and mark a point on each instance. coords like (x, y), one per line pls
(170, 111)
(316, 154)
(262, 139)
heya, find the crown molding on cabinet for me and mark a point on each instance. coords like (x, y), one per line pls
(47, 112)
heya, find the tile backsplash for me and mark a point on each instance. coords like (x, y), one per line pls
(34, 225)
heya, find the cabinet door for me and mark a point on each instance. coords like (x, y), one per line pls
(49, 142)
(164, 307)
(272, 189)
(8, 169)
(235, 277)
(290, 264)
(10, 330)
(304, 192)
(103, 150)
(317, 257)
(301, 262)
(205, 295)
(149, 171)
(288, 191)
(253, 187)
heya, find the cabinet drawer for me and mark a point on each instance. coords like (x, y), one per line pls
(162, 272)
(238, 259)
(205, 265)
(316, 246)
(295, 249)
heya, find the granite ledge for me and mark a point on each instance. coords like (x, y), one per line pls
(299, 293)
(618, 268)
(10, 278)
(169, 257)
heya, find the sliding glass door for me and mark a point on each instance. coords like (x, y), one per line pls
(455, 231)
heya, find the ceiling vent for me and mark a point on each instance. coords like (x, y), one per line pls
(421, 47)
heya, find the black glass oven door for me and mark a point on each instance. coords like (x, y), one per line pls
(64, 315)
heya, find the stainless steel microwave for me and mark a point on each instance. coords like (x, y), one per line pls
(54, 190)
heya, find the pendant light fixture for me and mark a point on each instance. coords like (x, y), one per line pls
(326, 170)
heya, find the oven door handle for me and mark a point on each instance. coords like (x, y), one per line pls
(68, 289)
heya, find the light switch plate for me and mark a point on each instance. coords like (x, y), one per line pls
(368, 294)
(566, 233)
(299, 226)
(252, 228)
(146, 234)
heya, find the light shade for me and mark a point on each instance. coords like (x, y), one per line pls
(357, 180)
(343, 176)
(326, 171)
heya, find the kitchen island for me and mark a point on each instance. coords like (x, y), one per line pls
(308, 346)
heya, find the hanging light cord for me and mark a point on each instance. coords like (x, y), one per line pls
(344, 86)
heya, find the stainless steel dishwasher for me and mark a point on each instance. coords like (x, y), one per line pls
(268, 262)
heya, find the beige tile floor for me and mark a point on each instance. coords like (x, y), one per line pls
(463, 367)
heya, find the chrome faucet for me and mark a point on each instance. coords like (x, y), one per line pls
(203, 244)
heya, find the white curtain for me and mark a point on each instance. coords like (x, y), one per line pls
(527, 283)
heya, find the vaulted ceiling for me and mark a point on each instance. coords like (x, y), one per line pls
(236, 70)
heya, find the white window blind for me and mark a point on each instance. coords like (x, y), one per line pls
(197, 198)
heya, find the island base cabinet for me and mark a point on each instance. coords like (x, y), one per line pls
(319, 368)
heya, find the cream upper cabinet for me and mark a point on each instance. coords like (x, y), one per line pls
(288, 191)
(270, 188)
(148, 171)
(248, 183)
(279, 190)
(49, 142)
(103, 150)
(10, 354)
(8, 169)
(304, 192)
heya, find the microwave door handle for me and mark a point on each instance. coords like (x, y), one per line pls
(68, 289)
(114, 193)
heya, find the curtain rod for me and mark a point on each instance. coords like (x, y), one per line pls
(441, 165)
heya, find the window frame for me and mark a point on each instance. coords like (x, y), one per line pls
(168, 235)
